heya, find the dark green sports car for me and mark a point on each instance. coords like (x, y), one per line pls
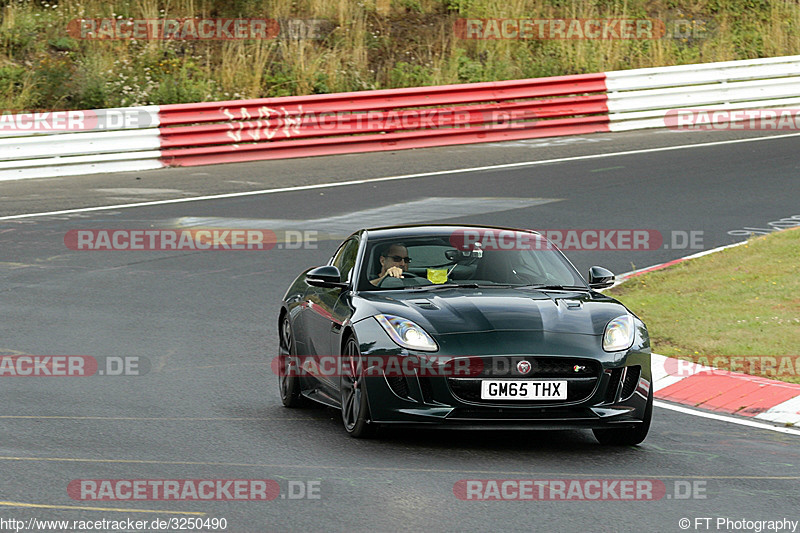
(463, 327)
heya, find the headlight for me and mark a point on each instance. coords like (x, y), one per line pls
(619, 334)
(406, 333)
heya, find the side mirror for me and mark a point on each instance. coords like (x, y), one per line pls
(600, 278)
(325, 276)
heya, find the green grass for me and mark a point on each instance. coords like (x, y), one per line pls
(372, 44)
(743, 301)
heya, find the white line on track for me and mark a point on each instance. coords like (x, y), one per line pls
(392, 178)
(86, 508)
(722, 418)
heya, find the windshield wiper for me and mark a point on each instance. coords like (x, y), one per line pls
(459, 286)
(554, 287)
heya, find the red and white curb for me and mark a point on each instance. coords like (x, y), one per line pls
(723, 391)
(716, 390)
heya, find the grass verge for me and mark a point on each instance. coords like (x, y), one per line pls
(368, 44)
(736, 309)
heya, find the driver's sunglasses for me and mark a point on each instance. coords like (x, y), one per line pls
(397, 258)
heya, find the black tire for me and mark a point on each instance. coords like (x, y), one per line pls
(355, 407)
(628, 436)
(288, 380)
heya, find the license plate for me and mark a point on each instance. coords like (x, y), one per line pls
(523, 390)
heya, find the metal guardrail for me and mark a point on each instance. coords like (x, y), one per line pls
(394, 119)
(640, 98)
(142, 138)
(65, 143)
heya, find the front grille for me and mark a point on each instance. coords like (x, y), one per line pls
(581, 376)
(632, 374)
(470, 390)
(540, 367)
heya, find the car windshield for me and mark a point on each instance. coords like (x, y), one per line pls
(485, 257)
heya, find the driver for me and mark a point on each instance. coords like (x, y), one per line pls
(394, 261)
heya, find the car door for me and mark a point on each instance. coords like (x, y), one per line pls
(325, 315)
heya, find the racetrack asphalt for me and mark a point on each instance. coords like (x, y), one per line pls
(205, 321)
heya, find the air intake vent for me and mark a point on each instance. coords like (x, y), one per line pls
(632, 374)
(399, 385)
(613, 384)
(427, 390)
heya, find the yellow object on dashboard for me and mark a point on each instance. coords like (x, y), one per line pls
(437, 275)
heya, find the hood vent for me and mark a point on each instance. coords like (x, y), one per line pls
(424, 304)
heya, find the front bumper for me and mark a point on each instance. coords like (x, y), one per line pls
(612, 392)
(439, 407)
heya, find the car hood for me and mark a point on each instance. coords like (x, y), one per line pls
(466, 310)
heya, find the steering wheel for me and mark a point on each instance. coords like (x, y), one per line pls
(409, 275)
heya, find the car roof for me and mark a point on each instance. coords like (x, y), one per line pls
(421, 230)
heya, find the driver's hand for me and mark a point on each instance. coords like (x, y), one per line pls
(395, 272)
